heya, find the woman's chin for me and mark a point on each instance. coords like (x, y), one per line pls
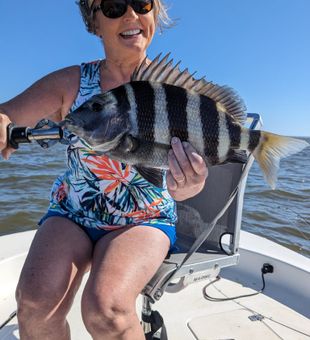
(135, 43)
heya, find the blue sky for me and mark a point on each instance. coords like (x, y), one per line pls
(260, 48)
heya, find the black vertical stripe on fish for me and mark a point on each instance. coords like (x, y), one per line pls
(254, 139)
(210, 123)
(133, 109)
(120, 94)
(234, 133)
(145, 101)
(176, 98)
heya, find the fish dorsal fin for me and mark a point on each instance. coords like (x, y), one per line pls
(161, 70)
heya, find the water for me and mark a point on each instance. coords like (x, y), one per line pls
(282, 215)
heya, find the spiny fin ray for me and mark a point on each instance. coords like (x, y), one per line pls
(162, 71)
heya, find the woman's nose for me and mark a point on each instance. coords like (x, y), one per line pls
(130, 13)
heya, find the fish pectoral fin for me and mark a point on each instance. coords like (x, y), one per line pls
(237, 156)
(130, 143)
(154, 176)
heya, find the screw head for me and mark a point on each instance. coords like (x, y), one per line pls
(158, 295)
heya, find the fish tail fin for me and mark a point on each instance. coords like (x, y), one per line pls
(271, 149)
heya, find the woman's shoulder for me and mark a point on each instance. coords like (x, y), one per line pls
(69, 73)
(76, 69)
(73, 74)
(67, 81)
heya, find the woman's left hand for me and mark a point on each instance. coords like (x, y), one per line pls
(187, 171)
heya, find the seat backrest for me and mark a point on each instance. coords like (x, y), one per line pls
(194, 215)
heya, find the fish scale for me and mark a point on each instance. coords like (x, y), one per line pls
(145, 99)
(210, 127)
(194, 123)
(176, 99)
(161, 128)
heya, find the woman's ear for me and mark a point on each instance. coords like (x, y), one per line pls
(97, 30)
(96, 25)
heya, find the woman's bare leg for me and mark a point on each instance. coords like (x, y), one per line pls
(123, 263)
(59, 256)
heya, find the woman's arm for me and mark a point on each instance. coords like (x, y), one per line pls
(187, 171)
(50, 97)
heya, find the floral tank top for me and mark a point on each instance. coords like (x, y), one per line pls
(98, 192)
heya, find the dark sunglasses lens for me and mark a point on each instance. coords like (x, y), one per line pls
(142, 6)
(113, 8)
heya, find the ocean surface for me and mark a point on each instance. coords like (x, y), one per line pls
(282, 215)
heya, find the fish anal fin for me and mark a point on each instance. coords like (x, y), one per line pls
(236, 156)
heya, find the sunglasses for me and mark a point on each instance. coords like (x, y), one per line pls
(117, 8)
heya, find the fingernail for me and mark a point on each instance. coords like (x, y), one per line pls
(198, 157)
(173, 186)
(185, 144)
(174, 140)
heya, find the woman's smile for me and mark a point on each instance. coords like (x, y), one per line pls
(131, 33)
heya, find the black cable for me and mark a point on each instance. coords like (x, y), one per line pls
(8, 319)
(211, 298)
(221, 244)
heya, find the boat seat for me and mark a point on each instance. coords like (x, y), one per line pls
(220, 249)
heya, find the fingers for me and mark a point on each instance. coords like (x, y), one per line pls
(185, 163)
(5, 151)
(187, 170)
(196, 161)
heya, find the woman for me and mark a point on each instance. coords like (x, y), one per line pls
(75, 235)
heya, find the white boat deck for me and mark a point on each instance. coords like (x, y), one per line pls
(187, 314)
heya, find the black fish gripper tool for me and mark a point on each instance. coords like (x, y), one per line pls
(46, 133)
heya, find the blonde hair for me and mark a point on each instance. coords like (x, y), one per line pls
(161, 16)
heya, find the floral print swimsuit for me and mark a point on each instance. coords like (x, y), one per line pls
(100, 194)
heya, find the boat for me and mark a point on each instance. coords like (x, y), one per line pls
(219, 283)
(281, 311)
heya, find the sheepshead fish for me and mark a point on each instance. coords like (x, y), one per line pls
(134, 123)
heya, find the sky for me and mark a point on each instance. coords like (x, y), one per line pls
(259, 48)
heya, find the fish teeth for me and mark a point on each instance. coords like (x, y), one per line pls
(131, 32)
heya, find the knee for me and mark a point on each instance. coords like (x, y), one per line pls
(28, 299)
(108, 314)
(38, 303)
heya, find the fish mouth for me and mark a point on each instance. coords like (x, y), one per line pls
(71, 124)
(91, 137)
(73, 127)
(67, 123)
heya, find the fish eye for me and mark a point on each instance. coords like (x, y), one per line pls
(96, 107)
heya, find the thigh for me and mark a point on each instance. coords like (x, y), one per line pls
(125, 260)
(58, 257)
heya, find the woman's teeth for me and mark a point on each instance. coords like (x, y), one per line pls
(130, 33)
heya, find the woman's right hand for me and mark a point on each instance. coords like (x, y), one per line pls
(5, 150)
